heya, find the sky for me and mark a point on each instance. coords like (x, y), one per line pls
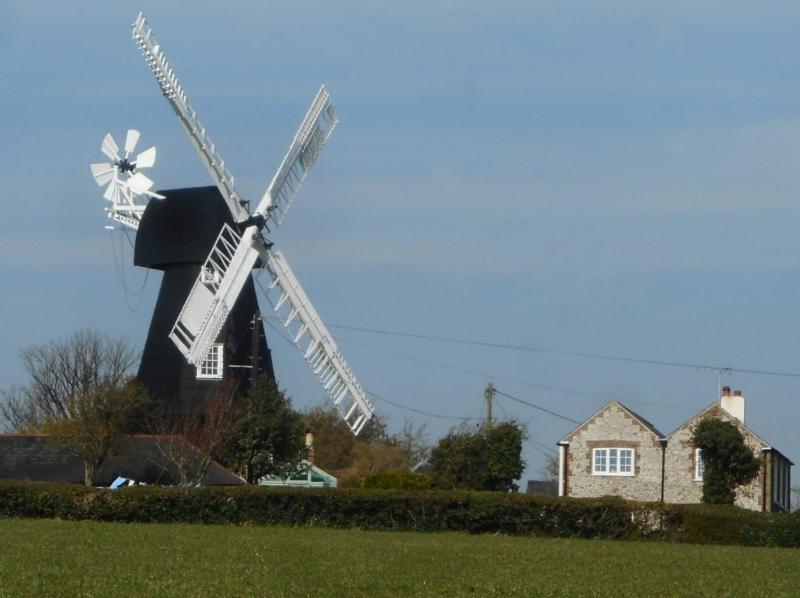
(614, 178)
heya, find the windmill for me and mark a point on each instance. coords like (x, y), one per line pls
(222, 287)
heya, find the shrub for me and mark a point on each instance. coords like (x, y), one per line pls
(397, 479)
(414, 510)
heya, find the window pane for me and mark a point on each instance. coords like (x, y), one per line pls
(625, 460)
(698, 470)
(612, 460)
(212, 365)
(600, 460)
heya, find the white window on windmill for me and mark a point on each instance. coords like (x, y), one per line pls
(212, 366)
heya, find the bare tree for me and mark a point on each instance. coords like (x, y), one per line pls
(413, 441)
(96, 423)
(61, 371)
(80, 392)
(549, 470)
(188, 442)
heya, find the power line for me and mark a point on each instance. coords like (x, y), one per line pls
(283, 337)
(578, 354)
(493, 376)
(542, 447)
(419, 411)
(553, 413)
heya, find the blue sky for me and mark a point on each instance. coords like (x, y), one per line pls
(607, 177)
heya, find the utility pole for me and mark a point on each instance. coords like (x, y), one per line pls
(489, 394)
(255, 336)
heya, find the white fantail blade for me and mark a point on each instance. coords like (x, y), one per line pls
(131, 139)
(102, 173)
(139, 183)
(154, 195)
(146, 159)
(113, 190)
(110, 147)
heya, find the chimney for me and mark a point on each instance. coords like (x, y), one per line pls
(310, 454)
(733, 404)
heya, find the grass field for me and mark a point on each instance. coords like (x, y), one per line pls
(41, 557)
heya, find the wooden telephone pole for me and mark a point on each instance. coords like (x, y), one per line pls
(255, 336)
(489, 394)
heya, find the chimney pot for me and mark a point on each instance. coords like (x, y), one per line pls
(737, 393)
(726, 391)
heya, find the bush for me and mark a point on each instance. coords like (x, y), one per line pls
(415, 510)
(397, 479)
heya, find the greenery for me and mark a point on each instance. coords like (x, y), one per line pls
(80, 393)
(727, 461)
(267, 435)
(348, 457)
(489, 458)
(405, 510)
(97, 559)
(397, 479)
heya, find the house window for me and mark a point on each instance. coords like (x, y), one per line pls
(698, 465)
(613, 461)
(212, 366)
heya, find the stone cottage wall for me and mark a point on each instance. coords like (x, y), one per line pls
(614, 427)
(679, 463)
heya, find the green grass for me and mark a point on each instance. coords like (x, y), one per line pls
(43, 557)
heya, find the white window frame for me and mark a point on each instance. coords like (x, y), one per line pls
(699, 467)
(611, 461)
(212, 367)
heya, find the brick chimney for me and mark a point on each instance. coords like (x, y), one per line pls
(732, 404)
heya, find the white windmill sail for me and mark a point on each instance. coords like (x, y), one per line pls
(311, 136)
(146, 40)
(309, 334)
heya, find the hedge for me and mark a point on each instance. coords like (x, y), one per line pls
(423, 511)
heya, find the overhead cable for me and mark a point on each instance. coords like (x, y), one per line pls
(578, 354)
(284, 338)
(493, 376)
(553, 413)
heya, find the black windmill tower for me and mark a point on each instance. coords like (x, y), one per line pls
(208, 242)
(175, 236)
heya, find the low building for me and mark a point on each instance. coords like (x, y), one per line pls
(619, 453)
(143, 458)
(307, 475)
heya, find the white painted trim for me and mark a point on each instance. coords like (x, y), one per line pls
(617, 473)
(562, 466)
(697, 460)
(218, 367)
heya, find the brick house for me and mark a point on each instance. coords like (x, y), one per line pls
(617, 452)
